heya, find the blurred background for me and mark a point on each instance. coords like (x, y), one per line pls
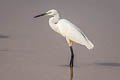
(30, 49)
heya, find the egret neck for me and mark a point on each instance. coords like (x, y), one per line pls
(53, 21)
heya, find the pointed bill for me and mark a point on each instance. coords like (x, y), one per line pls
(43, 14)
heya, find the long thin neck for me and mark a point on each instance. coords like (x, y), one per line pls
(55, 19)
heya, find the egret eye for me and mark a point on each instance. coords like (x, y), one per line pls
(49, 12)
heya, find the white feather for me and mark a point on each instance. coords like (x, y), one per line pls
(69, 30)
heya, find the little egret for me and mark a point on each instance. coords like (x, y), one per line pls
(68, 30)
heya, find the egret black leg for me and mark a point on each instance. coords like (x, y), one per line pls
(72, 57)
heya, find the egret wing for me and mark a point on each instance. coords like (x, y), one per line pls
(72, 32)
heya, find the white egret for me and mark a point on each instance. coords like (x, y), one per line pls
(68, 30)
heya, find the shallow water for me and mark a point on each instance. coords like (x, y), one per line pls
(30, 50)
(23, 58)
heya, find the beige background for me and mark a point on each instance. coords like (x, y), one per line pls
(31, 50)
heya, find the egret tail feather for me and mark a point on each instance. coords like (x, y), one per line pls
(89, 45)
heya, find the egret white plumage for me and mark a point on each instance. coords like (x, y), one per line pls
(68, 30)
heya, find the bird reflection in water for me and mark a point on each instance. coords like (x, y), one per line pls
(71, 72)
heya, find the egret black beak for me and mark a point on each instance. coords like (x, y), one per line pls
(40, 15)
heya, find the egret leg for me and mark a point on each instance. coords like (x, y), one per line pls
(72, 57)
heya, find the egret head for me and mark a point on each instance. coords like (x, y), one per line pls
(52, 12)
